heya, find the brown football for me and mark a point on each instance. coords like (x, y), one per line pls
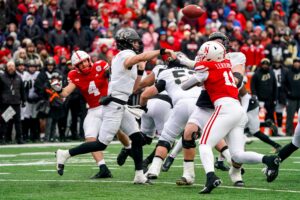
(192, 11)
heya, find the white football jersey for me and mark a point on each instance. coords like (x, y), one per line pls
(173, 83)
(157, 69)
(236, 58)
(122, 79)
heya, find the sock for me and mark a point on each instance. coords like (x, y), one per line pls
(279, 119)
(128, 147)
(87, 147)
(177, 149)
(207, 157)
(220, 158)
(266, 139)
(137, 150)
(226, 153)
(101, 162)
(156, 165)
(286, 151)
(188, 169)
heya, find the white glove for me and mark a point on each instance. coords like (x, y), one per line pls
(56, 85)
(185, 60)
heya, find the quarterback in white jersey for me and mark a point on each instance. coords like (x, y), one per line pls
(125, 76)
(169, 80)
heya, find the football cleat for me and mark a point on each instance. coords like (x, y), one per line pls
(272, 169)
(166, 166)
(142, 180)
(151, 176)
(221, 166)
(236, 176)
(61, 157)
(103, 173)
(124, 153)
(211, 183)
(184, 181)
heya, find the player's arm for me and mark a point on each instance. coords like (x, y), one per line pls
(152, 91)
(129, 62)
(146, 82)
(196, 79)
(63, 92)
(140, 72)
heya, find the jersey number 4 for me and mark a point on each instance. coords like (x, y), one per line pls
(227, 77)
(93, 89)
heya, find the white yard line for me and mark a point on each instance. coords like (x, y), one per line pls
(156, 182)
(4, 173)
(113, 142)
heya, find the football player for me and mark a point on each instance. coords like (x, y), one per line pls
(215, 73)
(92, 81)
(125, 76)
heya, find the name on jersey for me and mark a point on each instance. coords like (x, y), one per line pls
(223, 65)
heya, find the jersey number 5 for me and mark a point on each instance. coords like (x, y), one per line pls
(227, 77)
(93, 89)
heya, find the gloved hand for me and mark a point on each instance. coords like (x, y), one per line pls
(56, 85)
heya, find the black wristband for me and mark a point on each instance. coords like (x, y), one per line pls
(162, 51)
(140, 72)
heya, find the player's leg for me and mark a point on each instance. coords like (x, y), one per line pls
(253, 125)
(130, 126)
(224, 154)
(290, 148)
(112, 117)
(170, 159)
(126, 150)
(172, 128)
(224, 118)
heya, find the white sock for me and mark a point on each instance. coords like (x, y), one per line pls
(139, 173)
(227, 156)
(248, 157)
(220, 157)
(177, 149)
(207, 158)
(101, 162)
(155, 166)
(188, 170)
(128, 147)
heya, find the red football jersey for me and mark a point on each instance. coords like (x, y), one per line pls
(220, 81)
(93, 85)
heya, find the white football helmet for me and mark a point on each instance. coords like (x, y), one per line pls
(79, 56)
(211, 51)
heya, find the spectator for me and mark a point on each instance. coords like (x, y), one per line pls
(12, 96)
(79, 38)
(292, 85)
(30, 30)
(32, 10)
(86, 12)
(3, 16)
(249, 10)
(291, 45)
(267, 9)
(276, 21)
(280, 73)
(69, 8)
(58, 37)
(264, 86)
(94, 30)
(31, 129)
(22, 9)
(277, 49)
(190, 45)
(31, 52)
(52, 13)
(10, 44)
(150, 39)
(153, 15)
(165, 7)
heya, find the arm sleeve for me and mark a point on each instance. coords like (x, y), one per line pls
(160, 85)
(194, 80)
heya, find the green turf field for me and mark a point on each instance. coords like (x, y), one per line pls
(29, 173)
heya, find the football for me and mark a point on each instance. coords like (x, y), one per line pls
(192, 11)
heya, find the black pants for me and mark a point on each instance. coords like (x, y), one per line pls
(31, 129)
(74, 107)
(270, 107)
(291, 108)
(8, 126)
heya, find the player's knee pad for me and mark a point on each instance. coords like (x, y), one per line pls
(188, 144)
(147, 140)
(236, 164)
(137, 138)
(165, 144)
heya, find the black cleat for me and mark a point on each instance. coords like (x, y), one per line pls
(211, 183)
(239, 184)
(123, 156)
(167, 164)
(221, 166)
(103, 173)
(60, 169)
(272, 169)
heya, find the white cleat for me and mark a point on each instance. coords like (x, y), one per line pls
(61, 157)
(187, 180)
(236, 176)
(141, 179)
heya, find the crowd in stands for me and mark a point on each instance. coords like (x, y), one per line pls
(38, 37)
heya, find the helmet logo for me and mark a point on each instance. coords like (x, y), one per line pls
(98, 69)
